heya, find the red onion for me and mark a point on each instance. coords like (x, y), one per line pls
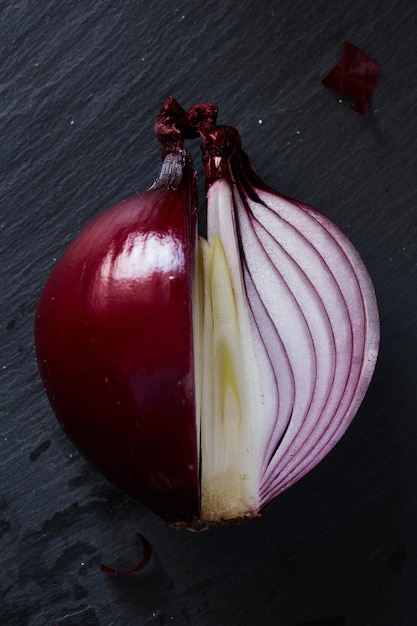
(234, 380)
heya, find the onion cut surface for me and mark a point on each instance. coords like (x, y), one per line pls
(305, 310)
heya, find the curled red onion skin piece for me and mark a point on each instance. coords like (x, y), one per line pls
(355, 76)
(114, 342)
(147, 552)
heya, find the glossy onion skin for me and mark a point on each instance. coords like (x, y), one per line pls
(113, 335)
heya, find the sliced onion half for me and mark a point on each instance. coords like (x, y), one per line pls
(300, 299)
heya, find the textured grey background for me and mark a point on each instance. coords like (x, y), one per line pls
(80, 85)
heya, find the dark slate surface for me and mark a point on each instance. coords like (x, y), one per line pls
(80, 85)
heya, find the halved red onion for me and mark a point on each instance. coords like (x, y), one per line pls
(303, 305)
(204, 386)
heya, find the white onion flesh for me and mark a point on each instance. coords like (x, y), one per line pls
(307, 318)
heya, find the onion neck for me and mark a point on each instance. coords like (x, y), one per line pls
(218, 145)
(176, 161)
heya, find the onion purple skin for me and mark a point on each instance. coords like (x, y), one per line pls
(114, 348)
